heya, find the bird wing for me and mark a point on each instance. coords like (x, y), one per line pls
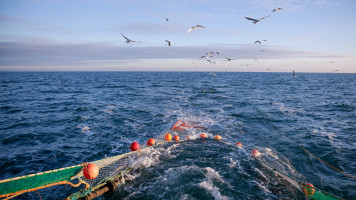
(200, 26)
(257, 42)
(264, 17)
(125, 37)
(255, 20)
(190, 30)
(169, 43)
(274, 10)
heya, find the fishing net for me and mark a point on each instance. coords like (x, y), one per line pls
(110, 169)
(317, 194)
(12, 186)
(295, 179)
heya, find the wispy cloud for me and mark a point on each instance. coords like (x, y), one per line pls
(13, 19)
(76, 55)
(152, 27)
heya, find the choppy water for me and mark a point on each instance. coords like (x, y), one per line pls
(50, 120)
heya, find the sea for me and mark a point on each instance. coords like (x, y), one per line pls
(50, 120)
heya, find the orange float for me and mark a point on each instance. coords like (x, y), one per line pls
(168, 137)
(151, 142)
(134, 146)
(203, 135)
(238, 144)
(255, 153)
(176, 138)
(90, 171)
(217, 137)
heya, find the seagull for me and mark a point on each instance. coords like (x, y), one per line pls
(194, 27)
(255, 21)
(229, 59)
(169, 43)
(260, 41)
(210, 54)
(212, 73)
(128, 40)
(167, 19)
(277, 10)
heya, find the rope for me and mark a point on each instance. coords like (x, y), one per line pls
(274, 127)
(327, 163)
(12, 195)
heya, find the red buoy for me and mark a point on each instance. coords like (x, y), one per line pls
(168, 137)
(203, 135)
(90, 171)
(135, 146)
(255, 153)
(238, 144)
(151, 142)
(308, 189)
(176, 138)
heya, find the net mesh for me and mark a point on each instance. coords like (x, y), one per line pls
(310, 191)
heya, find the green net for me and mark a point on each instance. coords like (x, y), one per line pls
(38, 180)
(317, 194)
(310, 191)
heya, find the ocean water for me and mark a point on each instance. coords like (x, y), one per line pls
(50, 120)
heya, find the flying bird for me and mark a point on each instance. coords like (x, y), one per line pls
(167, 19)
(128, 40)
(255, 21)
(194, 27)
(259, 42)
(229, 59)
(277, 10)
(169, 42)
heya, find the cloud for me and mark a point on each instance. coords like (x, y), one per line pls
(97, 54)
(13, 19)
(154, 28)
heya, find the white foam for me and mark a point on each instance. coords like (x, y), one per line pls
(85, 129)
(144, 159)
(212, 189)
(212, 174)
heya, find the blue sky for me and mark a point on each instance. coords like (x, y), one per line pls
(83, 35)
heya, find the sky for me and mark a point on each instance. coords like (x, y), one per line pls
(317, 36)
